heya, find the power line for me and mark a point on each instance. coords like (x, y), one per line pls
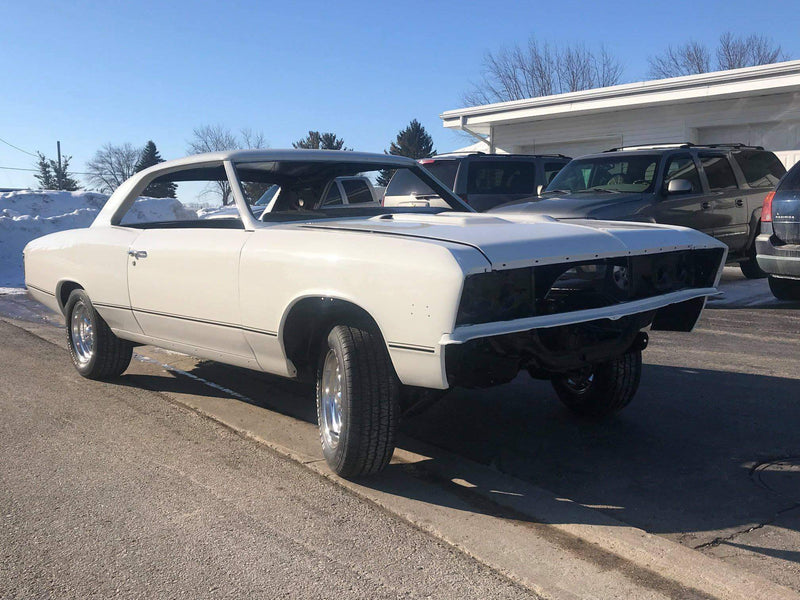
(18, 148)
(37, 170)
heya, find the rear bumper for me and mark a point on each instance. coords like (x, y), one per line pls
(783, 261)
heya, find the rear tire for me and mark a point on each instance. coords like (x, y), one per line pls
(749, 267)
(784, 289)
(601, 390)
(94, 349)
(357, 401)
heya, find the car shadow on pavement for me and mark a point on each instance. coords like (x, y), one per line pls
(679, 461)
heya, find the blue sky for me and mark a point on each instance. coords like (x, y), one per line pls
(87, 73)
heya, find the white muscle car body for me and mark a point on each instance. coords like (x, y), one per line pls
(454, 297)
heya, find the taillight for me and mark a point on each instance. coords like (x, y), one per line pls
(426, 161)
(766, 210)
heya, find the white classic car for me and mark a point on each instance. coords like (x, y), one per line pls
(374, 303)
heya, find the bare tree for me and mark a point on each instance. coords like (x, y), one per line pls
(733, 52)
(737, 52)
(111, 165)
(216, 138)
(539, 69)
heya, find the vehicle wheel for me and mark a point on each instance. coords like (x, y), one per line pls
(357, 401)
(784, 289)
(749, 267)
(603, 389)
(95, 351)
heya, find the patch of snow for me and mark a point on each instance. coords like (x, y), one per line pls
(26, 215)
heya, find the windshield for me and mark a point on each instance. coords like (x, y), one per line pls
(607, 174)
(312, 187)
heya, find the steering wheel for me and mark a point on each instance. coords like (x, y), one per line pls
(616, 179)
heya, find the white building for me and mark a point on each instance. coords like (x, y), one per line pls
(756, 105)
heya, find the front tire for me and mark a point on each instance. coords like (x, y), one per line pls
(95, 351)
(784, 289)
(601, 390)
(357, 401)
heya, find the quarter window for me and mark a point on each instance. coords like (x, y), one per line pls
(760, 169)
(718, 172)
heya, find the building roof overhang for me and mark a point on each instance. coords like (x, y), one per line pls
(737, 83)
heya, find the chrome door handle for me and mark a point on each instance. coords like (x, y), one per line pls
(705, 205)
(137, 253)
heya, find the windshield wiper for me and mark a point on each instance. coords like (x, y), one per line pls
(556, 192)
(597, 189)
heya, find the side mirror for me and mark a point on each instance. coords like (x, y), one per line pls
(679, 186)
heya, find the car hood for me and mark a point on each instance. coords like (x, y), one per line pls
(516, 240)
(569, 206)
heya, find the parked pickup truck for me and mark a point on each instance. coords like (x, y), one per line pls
(372, 303)
(717, 189)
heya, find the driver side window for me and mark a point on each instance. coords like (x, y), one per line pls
(682, 167)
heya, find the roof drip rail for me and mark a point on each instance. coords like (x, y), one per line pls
(733, 145)
(653, 145)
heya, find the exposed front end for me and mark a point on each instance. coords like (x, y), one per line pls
(558, 318)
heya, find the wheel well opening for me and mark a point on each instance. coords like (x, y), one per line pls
(308, 323)
(64, 290)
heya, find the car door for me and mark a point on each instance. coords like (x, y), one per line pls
(729, 206)
(687, 209)
(183, 279)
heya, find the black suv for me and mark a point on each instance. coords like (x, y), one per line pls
(481, 180)
(717, 189)
(778, 245)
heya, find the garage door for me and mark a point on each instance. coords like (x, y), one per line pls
(572, 148)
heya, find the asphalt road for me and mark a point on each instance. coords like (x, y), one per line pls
(107, 490)
(707, 455)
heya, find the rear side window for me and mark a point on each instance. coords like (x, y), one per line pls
(682, 167)
(501, 177)
(444, 170)
(760, 169)
(718, 171)
(357, 191)
(791, 183)
(551, 169)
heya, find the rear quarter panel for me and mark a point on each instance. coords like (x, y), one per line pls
(95, 258)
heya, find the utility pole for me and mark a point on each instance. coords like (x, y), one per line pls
(58, 175)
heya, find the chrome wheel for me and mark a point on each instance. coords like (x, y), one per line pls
(81, 333)
(330, 400)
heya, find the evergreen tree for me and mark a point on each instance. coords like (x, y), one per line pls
(149, 157)
(51, 177)
(45, 174)
(320, 141)
(414, 142)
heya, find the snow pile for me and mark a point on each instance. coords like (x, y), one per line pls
(27, 215)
